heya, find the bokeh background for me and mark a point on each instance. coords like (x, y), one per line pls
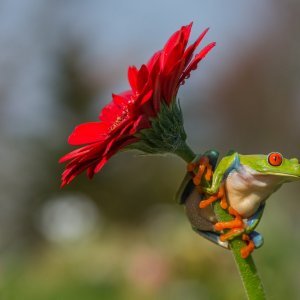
(122, 236)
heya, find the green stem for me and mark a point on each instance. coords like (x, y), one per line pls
(247, 269)
(185, 152)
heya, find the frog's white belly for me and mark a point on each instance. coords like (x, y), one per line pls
(247, 189)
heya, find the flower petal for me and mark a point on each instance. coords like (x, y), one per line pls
(142, 78)
(75, 153)
(190, 50)
(88, 133)
(120, 100)
(132, 77)
(182, 35)
(193, 65)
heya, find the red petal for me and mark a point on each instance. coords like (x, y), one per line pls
(190, 50)
(193, 65)
(141, 123)
(120, 100)
(153, 60)
(146, 104)
(132, 77)
(142, 78)
(75, 153)
(173, 57)
(183, 33)
(88, 133)
(101, 164)
(118, 147)
(109, 112)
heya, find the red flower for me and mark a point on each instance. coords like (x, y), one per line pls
(132, 110)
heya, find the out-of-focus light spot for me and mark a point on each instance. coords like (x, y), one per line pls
(148, 270)
(68, 218)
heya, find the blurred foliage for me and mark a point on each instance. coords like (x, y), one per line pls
(162, 258)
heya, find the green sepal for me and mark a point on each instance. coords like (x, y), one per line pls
(166, 134)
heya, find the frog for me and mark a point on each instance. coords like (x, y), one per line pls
(242, 184)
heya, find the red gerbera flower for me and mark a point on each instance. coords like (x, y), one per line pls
(152, 85)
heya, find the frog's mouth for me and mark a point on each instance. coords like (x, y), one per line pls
(285, 176)
(292, 175)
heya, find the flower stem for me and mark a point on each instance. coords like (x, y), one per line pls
(185, 152)
(247, 269)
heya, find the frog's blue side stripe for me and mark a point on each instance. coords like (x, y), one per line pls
(213, 237)
(234, 166)
(253, 221)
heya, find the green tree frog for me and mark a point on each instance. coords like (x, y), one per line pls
(242, 183)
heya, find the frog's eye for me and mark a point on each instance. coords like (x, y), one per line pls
(275, 159)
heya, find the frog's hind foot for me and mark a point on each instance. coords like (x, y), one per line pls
(231, 234)
(257, 239)
(254, 240)
(248, 249)
(236, 223)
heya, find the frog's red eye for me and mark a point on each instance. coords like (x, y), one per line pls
(275, 159)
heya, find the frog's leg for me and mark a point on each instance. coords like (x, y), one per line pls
(219, 195)
(216, 189)
(251, 237)
(231, 234)
(250, 225)
(246, 251)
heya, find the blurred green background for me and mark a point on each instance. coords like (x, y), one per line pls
(121, 235)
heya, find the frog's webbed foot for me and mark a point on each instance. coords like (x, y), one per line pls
(236, 223)
(221, 194)
(248, 249)
(238, 227)
(257, 239)
(203, 168)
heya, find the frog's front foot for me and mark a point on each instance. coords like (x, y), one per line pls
(221, 194)
(200, 168)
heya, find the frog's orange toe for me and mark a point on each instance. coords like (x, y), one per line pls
(231, 234)
(248, 249)
(236, 223)
(208, 201)
(204, 168)
(223, 203)
(197, 180)
(190, 167)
